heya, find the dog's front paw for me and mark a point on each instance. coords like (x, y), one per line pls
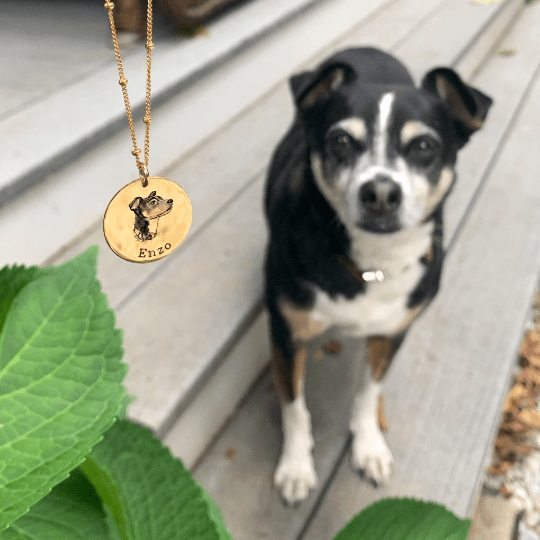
(371, 455)
(295, 478)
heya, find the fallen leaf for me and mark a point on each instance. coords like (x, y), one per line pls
(332, 347)
(529, 377)
(506, 447)
(513, 398)
(501, 468)
(534, 359)
(530, 344)
(515, 426)
(520, 413)
(530, 417)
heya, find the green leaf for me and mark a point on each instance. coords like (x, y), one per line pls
(405, 519)
(127, 400)
(72, 511)
(12, 280)
(148, 492)
(60, 381)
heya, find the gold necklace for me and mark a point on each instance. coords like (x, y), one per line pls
(150, 217)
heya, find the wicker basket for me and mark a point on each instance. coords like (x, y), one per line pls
(130, 16)
(192, 13)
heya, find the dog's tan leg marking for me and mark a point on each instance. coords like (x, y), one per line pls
(379, 353)
(289, 379)
(369, 452)
(282, 376)
(295, 474)
(303, 328)
(299, 370)
(381, 350)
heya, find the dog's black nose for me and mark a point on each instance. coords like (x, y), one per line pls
(380, 195)
(170, 201)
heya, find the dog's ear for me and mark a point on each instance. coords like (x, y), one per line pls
(299, 82)
(310, 87)
(153, 194)
(468, 106)
(135, 203)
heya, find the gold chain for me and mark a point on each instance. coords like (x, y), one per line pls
(142, 166)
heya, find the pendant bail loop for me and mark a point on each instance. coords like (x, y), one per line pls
(143, 169)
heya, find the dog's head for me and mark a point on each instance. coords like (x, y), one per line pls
(383, 154)
(151, 207)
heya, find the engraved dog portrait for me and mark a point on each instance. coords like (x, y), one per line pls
(147, 213)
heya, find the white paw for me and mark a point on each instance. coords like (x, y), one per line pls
(295, 478)
(371, 455)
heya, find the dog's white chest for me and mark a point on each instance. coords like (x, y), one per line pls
(382, 308)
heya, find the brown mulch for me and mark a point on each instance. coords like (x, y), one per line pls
(521, 418)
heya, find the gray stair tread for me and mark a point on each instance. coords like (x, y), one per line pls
(174, 339)
(182, 365)
(219, 398)
(242, 486)
(48, 132)
(213, 182)
(443, 35)
(444, 391)
(48, 45)
(71, 201)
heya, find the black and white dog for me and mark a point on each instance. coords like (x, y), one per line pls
(354, 202)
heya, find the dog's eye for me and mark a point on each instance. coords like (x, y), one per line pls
(343, 140)
(422, 151)
(342, 145)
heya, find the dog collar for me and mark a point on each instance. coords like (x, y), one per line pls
(365, 276)
(372, 275)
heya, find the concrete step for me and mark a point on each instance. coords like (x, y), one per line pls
(76, 102)
(195, 331)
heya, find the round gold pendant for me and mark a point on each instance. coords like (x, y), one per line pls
(144, 224)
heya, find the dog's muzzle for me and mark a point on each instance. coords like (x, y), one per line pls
(380, 200)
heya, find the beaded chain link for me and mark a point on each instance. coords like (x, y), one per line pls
(142, 166)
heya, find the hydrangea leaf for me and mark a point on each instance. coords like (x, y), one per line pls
(12, 280)
(60, 380)
(148, 492)
(405, 519)
(72, 511)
